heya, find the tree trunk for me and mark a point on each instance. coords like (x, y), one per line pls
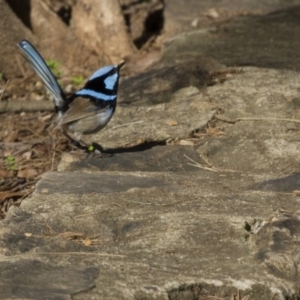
(100, 25)
(58, 41)
(12, 31)
(94, 35)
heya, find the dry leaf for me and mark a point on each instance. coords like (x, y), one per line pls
(11, 137)
(7, 195)
(88, 242)
(8, 152)
(27, 155)
(212, 13)
(6, 174)
(172, 122)
(44, 191)
(62, 146)
(40, 149)
(186, 143)
(27, 173)
(195, 22)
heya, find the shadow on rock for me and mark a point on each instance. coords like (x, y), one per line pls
(284, 184)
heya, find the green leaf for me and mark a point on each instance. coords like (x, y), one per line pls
(11, 163)
(91, 148)
(77, 80)
(53, 66)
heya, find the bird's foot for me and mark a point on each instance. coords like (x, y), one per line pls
(93, 150)
(96, 150)
(79, 145)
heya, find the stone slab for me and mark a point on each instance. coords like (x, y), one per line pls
(149, 238)
(181, 17)
(268, 41)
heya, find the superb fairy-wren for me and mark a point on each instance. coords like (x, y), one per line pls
(86, 111)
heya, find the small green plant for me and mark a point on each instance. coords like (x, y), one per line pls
(91, 148)
(53, 66)
(11, 163)
(77, 80)
(61, 83)
(1, 76)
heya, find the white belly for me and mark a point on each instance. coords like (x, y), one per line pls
(92, 123)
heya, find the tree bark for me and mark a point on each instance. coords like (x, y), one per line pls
(100, 26)
(58, 42)
(96, 34)
(12, 31)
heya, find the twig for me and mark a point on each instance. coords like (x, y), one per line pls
(15, 106)
(4, 90)
(84, 215)
(197, 165)
(127, 124)
(206, 161)
(147, 203)
(210, 167)
(53, 157)
(28, 183)
(233, 121)
(81, 253)
(273, 296)
(286, 167)
(20, 65)
(201, 167)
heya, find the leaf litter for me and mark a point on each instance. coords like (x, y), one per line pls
(27, 151)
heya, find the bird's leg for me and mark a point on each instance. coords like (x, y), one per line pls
(75, 142)
(79, 145)
(94, 147)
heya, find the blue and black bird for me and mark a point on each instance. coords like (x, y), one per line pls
(86, 111)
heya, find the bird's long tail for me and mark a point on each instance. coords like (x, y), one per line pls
(40, 67)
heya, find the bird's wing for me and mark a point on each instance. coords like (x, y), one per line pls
(40, 67)
(80, 108)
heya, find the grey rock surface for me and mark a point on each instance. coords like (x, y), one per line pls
(177, 119)
(188, 16)
(197, 195)
(262, 40)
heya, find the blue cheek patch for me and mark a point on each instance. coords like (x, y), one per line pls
(102, 72)
(96, 95)
(111, 81)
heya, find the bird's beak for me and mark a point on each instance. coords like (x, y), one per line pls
(121, 65)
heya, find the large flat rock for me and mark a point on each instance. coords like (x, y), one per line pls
(177, 119)
(215, 217)
(218, 216)
(265, 41)
(197, 195)
(154, 235)
(186, 16)
(266, 101)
